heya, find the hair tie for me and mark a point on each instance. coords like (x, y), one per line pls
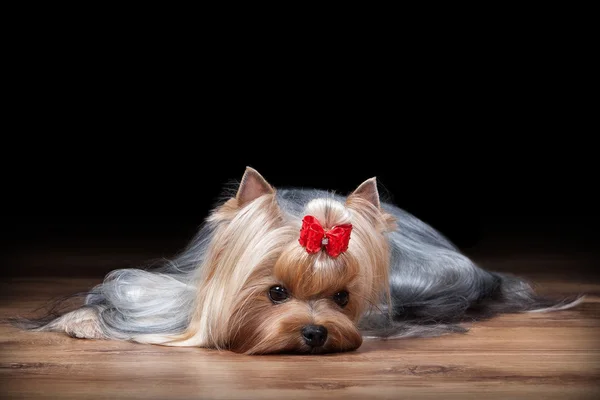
(313, 237)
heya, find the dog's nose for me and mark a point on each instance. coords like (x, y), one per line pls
(314, 335)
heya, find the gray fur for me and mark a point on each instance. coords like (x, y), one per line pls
(433, 286)
(137, 301)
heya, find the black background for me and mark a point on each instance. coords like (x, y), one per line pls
(116, 149)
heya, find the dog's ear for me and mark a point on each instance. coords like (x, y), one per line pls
(368, 191)
(252, 186)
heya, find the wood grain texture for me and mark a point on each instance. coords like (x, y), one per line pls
(527, 356)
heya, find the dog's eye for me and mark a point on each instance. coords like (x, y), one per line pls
(341, 298)
(278, 294)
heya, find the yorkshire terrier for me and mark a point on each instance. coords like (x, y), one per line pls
(299, 271)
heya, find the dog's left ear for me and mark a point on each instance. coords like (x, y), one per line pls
(252, 186)
(368, 191)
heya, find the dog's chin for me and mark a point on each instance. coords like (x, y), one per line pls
(299, 350)
(325, 350)
(295, 345)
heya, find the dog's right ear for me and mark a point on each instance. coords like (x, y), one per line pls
(252, 186)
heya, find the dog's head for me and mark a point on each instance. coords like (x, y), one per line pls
(278, 281)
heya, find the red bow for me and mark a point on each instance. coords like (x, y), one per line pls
(313, 237)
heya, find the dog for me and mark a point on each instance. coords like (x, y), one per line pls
(292, 270)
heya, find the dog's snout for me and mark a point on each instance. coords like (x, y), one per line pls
(314, 335)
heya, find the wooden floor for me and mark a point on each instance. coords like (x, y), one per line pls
(534, 356)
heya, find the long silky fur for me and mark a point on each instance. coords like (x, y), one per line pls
(433, 287)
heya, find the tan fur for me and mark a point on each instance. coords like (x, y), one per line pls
(81, 323)
(255, 248)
